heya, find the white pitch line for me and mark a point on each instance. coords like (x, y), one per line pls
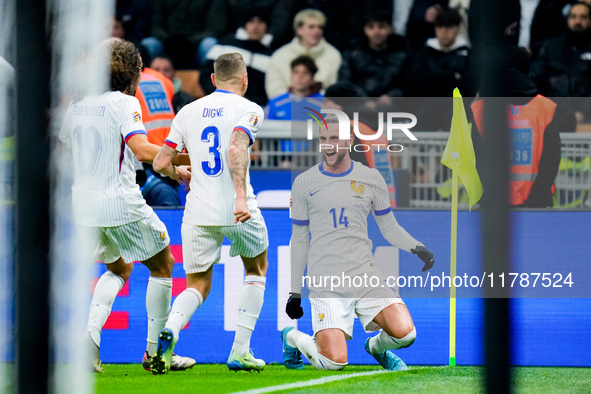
(313, 382)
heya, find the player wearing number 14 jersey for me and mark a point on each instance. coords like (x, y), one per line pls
(330, 206)
(217, 131)
(104, 132)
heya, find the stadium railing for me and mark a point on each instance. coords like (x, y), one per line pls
(430, 182)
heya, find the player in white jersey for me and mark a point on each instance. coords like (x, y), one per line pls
(218, 130)
(331, 202)
(104, 132)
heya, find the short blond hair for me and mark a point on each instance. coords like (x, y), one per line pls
(229, 67)
(309, 13)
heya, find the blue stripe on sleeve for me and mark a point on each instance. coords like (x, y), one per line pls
(383, 211)
(300, 222)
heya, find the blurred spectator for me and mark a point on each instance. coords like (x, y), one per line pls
(528, 9)
(308, 25)
(256, 55)
(534, 124)
(155, 93)
(343, 24)
(436, 69)
(178, 27)
(229, 16)
(165, 65)
(506, 24)
(117, 29)
(136, 18)
(375, 64)
(442, 63)
(303, 92)
(563, 65)
(548, 22)
(422, 15)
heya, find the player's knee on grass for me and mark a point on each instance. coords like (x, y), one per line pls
(408, 339)
(330, 365)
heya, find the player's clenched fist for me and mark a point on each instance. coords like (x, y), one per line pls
(293, 308)
(425, 255)
(241, 213)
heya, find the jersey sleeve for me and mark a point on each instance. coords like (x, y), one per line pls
(250, 120)
(65, 134)
(175, 137)
(298, 204)
(381, 200)
(130, 115)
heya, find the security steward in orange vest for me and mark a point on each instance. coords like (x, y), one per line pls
(534, 124)
(155, 93)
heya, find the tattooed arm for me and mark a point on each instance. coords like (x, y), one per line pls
(238, 164)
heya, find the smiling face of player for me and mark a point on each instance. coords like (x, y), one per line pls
(335, 151)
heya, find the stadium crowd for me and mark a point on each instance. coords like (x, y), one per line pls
(383, 50)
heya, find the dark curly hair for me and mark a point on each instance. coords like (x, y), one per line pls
(126, 65)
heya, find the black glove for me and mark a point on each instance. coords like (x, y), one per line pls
(425, 255)
(293, 308)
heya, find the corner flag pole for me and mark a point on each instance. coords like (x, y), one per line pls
(452, 270)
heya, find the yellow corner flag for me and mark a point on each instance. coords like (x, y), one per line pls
(458, 154)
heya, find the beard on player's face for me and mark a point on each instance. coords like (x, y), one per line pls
(334, 156)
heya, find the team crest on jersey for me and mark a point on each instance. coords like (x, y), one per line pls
(358, 190)
(254, 119)
(137, 117)
(321, 316)
(162, 235)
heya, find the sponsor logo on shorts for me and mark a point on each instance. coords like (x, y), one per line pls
(321, 316)
(162, 235)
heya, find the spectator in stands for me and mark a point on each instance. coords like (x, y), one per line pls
(256, 56)
(534, 123)
(420, 24)
(303, 92)
(308, 25)
(548, 22)
(155, 93)
(178, 27)
(563, 65)
(136, 19)
(375, 64)
(436, 69)
(165, 65)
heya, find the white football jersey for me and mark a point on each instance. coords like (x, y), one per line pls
(336, 207)
(104, 193)
(204, 128)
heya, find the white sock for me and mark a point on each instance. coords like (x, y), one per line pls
(249, 308)
(183, 308)
(158, 296)
(104, 295)
(330, 365)
(305, 344)
(382, 342)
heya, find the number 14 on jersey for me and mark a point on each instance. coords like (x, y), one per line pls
(343, 221)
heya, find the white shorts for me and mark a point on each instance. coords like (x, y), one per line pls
(135, 241)
(340, 313)
(202, 245)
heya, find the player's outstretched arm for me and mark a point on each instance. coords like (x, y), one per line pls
(163, 164)
(238, 164)
(299, 256)
(143, 149)
(397, 236)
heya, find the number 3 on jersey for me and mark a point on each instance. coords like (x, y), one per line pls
(211, 135)
(342, 218)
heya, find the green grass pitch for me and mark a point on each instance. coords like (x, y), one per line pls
(216, 378)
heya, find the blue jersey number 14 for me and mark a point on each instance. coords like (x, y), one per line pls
(342, 218)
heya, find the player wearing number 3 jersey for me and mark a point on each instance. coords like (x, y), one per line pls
(330, 206)
(104, 132)
(218, 130)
